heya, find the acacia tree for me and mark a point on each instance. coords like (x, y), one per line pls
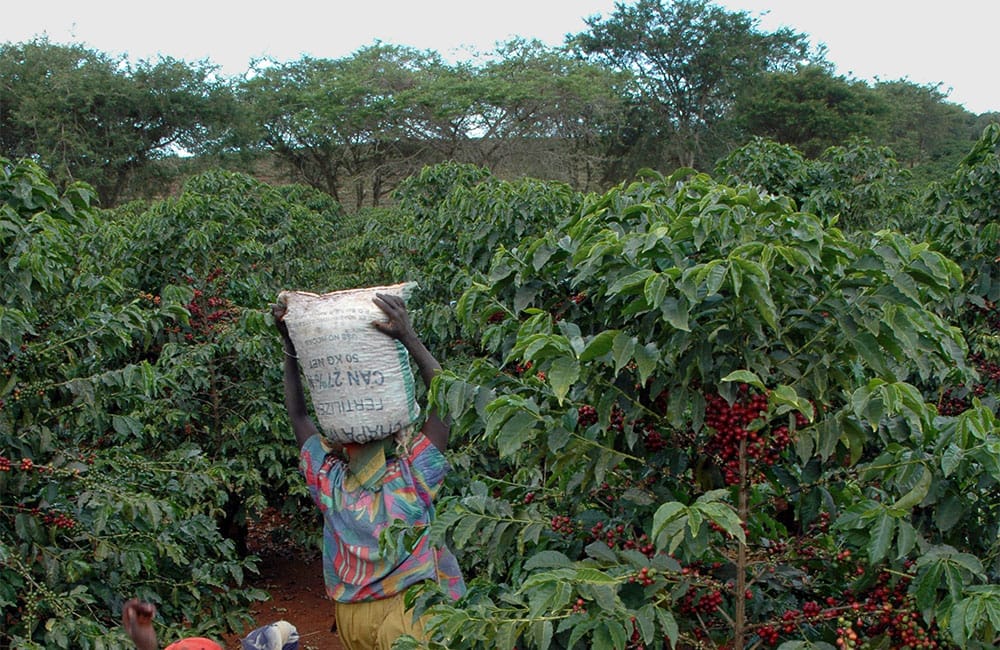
(439, 110)
(86, 116)
(535, 95)
(386, 110)
(346, 121)
(922, 127)
(808, 108)
(688, 60)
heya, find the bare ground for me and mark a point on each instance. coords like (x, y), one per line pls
(294, 579)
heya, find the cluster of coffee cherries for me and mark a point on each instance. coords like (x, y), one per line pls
(521, 368)
(207, 312)
(645, 576)
(730, 423)
(695, 601)
(988, 370)
(885, 611)
(950, 404)
(619, 536)
(28, 465)
(25, 465)
(811, 613)
(847, 637)
(768, 634)
(525, 370)
(586, 415)
(635, 641)
(652, 439)
(562, 524)
(888, 610)
(52, 518)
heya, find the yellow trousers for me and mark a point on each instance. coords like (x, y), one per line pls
(375, 624)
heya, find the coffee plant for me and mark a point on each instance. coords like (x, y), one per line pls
(462, 217)
(690, 412)
(698, 421)
(223, 249)
(140, 419)
(862, 185)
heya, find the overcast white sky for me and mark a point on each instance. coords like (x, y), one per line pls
(948, 42)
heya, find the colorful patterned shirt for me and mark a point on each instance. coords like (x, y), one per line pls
(353, 518)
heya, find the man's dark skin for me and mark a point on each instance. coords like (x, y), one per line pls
(398, 327)
(137, 619)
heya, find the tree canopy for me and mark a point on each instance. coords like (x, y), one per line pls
(90, 117)
(688, 60)
(808, 108)
(656, 84)
(370, 118)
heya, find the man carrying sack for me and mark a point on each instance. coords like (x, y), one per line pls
(364, 487)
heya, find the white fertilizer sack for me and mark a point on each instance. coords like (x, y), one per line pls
(359, 379)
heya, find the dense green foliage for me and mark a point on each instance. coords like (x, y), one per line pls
(750, 409)
(365, 122)
(137, 414)
(101, 120)
(685, 410)
(688, 60)
(862, 185)
(685, 367)
(809, 109)
(657, 83)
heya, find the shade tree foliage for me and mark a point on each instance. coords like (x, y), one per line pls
(341, 123)
(369, 119)
(91, 117)
(687, 61)
(922, 128)
(808, 108)
(618, 97)
(556, 108)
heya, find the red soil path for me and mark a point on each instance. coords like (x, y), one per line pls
(297, 596)
(295, 581)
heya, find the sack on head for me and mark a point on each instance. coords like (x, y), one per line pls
(359, 379)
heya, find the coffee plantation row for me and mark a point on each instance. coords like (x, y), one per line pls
(697, 410)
